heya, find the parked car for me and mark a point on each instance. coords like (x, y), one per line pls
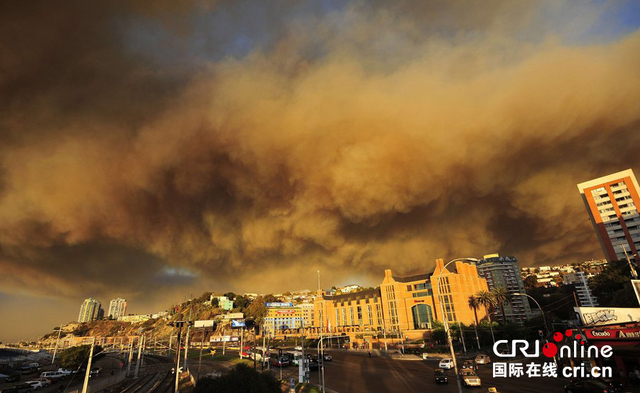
(36, 384)
(440, 376)
(53, 375)
(470, 378)
(64, 371)
(584, 386)
(22, 388)
(482, 359)
(45, 381)
(446, 363)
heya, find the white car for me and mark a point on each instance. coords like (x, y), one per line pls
(298, 348)
(64, 372)
(483, 359)
(469, 378)
(35, 385)
(446, 363)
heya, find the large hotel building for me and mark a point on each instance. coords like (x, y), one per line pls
(405, 306)
(612, 203)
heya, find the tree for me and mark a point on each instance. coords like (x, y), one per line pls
(613, 287)
(485, 298)
(530, 282)
(205, 297)
(474, 305)
(74, 357)
(501, 297)
(257, 310)
(230, 295)
(215, 302)
(242, 302)
(241, 379)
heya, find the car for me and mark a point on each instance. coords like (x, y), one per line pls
(469, 364)
(22, 388)
(13, 378)
(585, 386)
(95, 371)
(64, 371)
(313, 364)
(214, 374)
(440, 376)
(446, 363)
(326, 357)
(298, 348)
(45, 381)
(279, 361)
(425, 356)
(482, 359)
(180, 370)
(53, 375)
(611, 383)
(36, 384)
(470, 378)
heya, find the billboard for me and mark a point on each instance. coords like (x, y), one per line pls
(279, 304)
(233, 315)
(237, 323)
(612, 334)
(203, 324)
(594, 316)
(219, 339)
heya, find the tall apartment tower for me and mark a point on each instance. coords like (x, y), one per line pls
(503, 272)
(612, 203)
(583, 292)
(117, 308)
(90, 310)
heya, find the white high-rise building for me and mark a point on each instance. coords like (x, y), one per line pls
(503, 272)
(579, 280)
(117, 308)
(90, 310)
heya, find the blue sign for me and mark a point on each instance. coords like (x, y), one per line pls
(237, 323)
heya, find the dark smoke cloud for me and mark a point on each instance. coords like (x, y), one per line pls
(234, 145)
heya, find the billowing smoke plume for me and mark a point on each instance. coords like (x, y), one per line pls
(245, 146)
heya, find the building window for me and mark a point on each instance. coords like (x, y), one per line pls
(422, 316)
(370, 314)
(359, 315)
(409, 288)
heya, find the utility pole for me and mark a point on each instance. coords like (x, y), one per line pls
(204, 330)
(321, 332)
(186, 347)
(170, 342)
(87, 374)
(140, 344)
(464, 346)
(179, 325)
(53, 359)
(130, 358)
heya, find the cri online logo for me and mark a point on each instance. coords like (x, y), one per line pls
(550, 349)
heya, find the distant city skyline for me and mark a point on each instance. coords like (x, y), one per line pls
(155, 150)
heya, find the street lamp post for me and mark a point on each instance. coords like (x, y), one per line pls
(544, 320)
(55, 350)
(445, 319)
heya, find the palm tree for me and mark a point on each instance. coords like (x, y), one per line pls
(501, 297)
(485, 298)
(474, 304)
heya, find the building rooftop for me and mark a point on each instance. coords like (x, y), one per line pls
(417, 277)
(367, 293)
